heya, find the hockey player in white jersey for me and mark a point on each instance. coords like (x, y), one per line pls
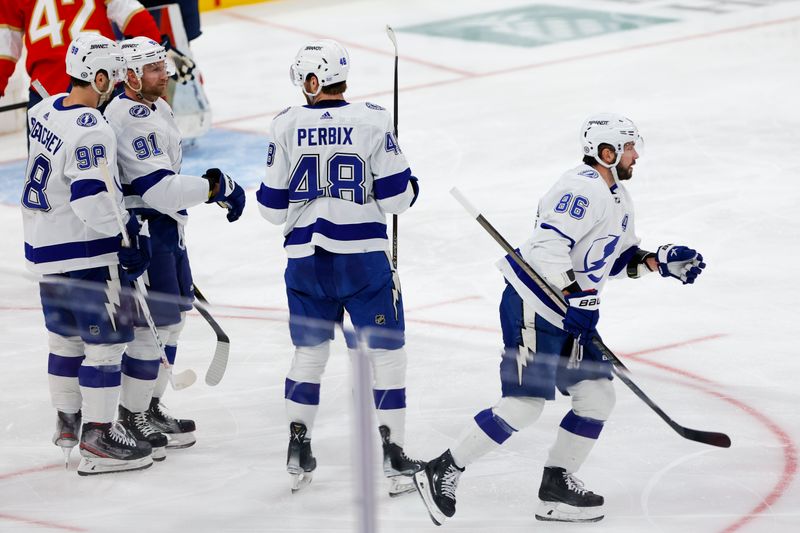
(333, 170)
(72, 238)
(584, 235)
(150, 156)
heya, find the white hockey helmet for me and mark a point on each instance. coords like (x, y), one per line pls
(89, 53)
(141, 51)
(326, 59)
(612, 129)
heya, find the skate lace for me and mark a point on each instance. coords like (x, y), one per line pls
(450, 482)
(574, 484)
(120, 435)
(142, 424)
(162, 410)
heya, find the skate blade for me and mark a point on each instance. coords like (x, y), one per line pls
(421, 483)
(176, 441)
(159, 454)
(400, 485)
(562, 512)
(91, 466)
(300, 480)
(67, 450)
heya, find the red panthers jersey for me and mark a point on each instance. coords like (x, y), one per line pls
(47, 27)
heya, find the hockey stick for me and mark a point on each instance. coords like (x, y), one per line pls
(220, 361)
(390, 33)
(12, 107)
(177, 381)
(706, 437)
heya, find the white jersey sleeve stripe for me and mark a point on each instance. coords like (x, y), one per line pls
(273, 198)
(143, 183)
(88, 187)
(545, 225)
(392, 185)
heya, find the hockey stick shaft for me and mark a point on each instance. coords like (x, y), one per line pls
(12, 107)
(187, 377)
(395, 218)
(706, 437)
(219, 363)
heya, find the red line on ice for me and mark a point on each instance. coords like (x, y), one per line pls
(348, 44)
(789, 448)
(530, 66)
(42, 523)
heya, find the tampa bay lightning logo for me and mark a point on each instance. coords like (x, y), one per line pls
(139, 111)
(590, 173)
(595, 258)
(282, 112)
(376, 107)
(87, 120)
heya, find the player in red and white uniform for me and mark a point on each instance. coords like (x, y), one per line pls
(47, 26)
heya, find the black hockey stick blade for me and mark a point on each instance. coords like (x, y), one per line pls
(219, 363)
(712, 438)
(620, 370)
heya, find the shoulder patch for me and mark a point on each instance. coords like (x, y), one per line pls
(376, 107)
(87, 120)
(591, 173)
(282, 112)
(139, 111)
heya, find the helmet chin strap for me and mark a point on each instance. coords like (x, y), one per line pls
(104, 95)
(312, 95)
(138, 91)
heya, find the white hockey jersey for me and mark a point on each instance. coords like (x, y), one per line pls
(150, 155)
(333, 170)
(582, 225)
(68, 216)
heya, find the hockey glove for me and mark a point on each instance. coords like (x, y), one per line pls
(679, 262)
(135, 259)
(583, 312)
(229, 195)
(184, 65)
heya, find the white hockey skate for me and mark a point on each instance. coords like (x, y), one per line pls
(300, 462)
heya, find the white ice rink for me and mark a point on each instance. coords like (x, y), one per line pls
(714, 92)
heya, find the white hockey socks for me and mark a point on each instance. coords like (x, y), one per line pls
(303, 384)
(140, 368)
(494, 426)
(99, 378)
(63, 365)
(389, 390)
(592, 403)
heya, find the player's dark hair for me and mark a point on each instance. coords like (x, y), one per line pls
(79, 83)
(336, 88)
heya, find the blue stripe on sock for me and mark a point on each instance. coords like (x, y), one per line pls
(98, 377)
(495, 427)
(58, 365)
(585, 427)
(390, 398)
(139, 369)
(171, 351)
(300, 392)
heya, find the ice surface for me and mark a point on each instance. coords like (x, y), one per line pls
(714, 93)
